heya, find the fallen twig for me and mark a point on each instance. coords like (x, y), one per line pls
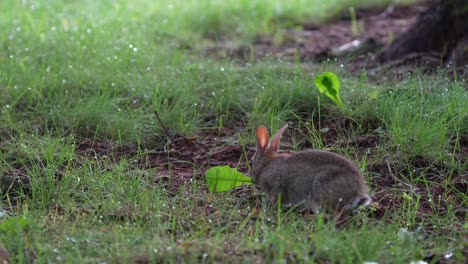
(166, 131)
(387, 161)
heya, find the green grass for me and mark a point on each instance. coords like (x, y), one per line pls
(80, 82)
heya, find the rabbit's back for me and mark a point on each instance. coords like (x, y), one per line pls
(320, 177)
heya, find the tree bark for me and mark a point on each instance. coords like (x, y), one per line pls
(438, 30)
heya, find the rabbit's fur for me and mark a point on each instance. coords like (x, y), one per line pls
(310, 180)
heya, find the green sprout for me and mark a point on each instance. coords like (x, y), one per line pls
(329, 84)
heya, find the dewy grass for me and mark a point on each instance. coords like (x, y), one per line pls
(96, 71)
(419, 120)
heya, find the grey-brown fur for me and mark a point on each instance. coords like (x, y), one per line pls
(310, 179)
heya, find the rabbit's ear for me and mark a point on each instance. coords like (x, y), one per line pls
(275, 142)
(262, 138)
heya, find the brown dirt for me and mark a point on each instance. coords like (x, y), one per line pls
(376, 28)
(313, 42)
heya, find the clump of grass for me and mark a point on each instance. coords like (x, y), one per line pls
(420, 120)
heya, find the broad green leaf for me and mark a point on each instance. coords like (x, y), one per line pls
(225, 178)
(329, 84)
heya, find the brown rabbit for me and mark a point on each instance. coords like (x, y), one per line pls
(311, 180)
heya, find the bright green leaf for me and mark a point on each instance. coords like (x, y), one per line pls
(225, 178)
(329, 84)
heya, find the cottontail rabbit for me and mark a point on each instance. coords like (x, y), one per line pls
(311, 180)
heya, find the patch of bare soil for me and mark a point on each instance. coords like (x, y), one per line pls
(354, 44)
(177, 162)
(373, 29)
(312, 42)
(186, 158)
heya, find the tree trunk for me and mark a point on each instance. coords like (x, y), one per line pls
(438, 30)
